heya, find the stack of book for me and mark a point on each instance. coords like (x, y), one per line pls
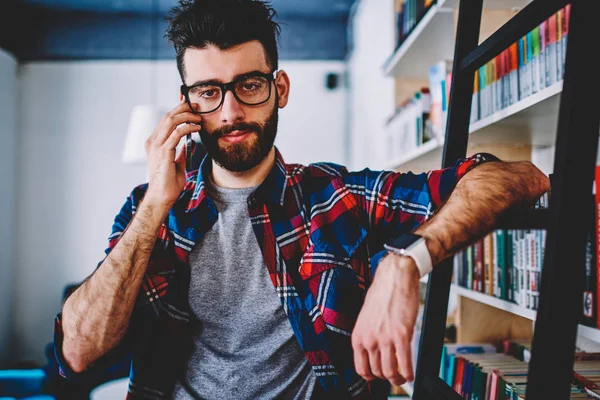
(499, 371)
(410, 126)
(408, 16)
(535, 62)
(506, 263)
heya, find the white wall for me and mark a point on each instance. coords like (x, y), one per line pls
(313, 125)
(71, 180)
(371, 94)
(8, 138)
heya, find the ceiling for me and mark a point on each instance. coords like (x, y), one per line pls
(326, 8)
(123, 29)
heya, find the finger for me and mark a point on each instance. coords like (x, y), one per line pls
(375, 362)
(361, 364)
(169, 147)
(404, 357)
(183, 107)
(180, 108)
(389, 365)
(179, 133)
(181, 158)
(171, 121)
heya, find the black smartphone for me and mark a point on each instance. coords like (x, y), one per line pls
(188, 152)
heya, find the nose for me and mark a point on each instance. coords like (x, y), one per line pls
(231, 111)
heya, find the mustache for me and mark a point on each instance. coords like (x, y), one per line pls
(241, 126)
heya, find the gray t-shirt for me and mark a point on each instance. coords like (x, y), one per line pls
(244, 346)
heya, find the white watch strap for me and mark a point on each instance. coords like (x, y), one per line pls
(420, 253)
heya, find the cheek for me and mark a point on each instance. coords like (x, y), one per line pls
(210, 123)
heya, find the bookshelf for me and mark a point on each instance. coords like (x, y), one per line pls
(524, 123)
(554, 116)
(433, 38)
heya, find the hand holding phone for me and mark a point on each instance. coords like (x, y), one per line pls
(167, 178)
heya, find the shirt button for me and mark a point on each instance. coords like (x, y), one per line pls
(252, 201)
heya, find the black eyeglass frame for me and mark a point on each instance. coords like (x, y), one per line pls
(225, 87)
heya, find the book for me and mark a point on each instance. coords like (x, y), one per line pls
(475, 98)
(513, 73)
(551, 63)
(488, 263)
(590, 288)
(597, 229)
(542, 56)
(559, 48)
(437, 76)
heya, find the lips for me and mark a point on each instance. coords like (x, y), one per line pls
(237, 133)
(236, 136)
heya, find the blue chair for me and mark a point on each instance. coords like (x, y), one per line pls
(23, 384)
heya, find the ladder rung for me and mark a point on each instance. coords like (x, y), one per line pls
(536, 218)
(518, 26)
(439, 389)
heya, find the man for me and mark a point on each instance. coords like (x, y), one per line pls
(195, 261)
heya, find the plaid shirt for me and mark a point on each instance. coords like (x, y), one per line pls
(318, 227)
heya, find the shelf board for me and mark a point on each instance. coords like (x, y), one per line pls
(587, 332)
(530, 121)
(494, 302)
(432, 39)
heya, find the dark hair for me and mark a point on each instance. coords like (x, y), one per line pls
(222, 23)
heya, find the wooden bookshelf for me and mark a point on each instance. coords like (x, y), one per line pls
(529, 121)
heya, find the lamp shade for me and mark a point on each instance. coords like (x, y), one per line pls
(142, 122)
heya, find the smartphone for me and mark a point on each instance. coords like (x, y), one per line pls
(188, 152)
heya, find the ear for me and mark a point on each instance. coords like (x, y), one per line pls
(282, 84)
(181, 98)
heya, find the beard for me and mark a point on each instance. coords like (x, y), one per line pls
(241, 157)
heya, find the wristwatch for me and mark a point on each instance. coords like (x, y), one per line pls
(414, 246)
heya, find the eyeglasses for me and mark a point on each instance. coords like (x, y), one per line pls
(251, 89)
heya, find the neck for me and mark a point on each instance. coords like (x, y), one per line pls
(239, 180)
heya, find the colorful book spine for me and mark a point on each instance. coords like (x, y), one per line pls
(513, 73)
(551, 62)
(559, 48)
(565, 32)
(542, 58)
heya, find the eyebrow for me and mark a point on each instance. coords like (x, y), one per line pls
(220, 82)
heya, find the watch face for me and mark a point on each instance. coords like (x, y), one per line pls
(405, 240)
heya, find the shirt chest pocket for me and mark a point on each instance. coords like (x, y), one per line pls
(334, 293)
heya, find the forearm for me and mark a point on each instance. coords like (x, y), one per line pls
(96, 316)
(477, 202)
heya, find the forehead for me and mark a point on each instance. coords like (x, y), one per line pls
(223, 65)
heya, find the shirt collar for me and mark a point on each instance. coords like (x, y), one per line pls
(272, 189)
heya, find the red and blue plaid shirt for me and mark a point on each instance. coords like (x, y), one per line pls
(318, 226)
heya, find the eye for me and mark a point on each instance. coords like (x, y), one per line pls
(250, 86)
(205, 92)
(208, 94)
